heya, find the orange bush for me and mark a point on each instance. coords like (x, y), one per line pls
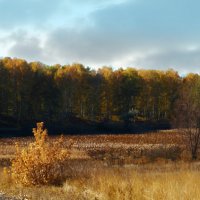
(42, 162)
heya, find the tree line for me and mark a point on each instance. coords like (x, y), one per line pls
(34, 91)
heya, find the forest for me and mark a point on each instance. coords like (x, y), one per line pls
(67, 95)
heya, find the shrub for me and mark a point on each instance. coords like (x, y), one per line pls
(42, 162)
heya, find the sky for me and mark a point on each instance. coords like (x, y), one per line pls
(148, 34)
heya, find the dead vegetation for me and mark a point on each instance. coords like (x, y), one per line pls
(42, 162)
(125, 149)
(144, 182)
(100, 167)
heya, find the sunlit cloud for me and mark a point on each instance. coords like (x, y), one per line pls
(143, 34)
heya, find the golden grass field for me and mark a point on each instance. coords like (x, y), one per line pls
(115, 167)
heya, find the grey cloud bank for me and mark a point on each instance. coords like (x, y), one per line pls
(145, 34)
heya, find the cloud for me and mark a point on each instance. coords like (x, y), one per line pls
(146, 34)
(131, 34)
(28, 49)
(184, 60)
(24, 44)
(87, 45)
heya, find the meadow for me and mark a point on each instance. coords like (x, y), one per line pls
(106, 167)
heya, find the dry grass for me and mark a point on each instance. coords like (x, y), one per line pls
(173, 181)
(120, 167)
(122, 185)
(113, 149)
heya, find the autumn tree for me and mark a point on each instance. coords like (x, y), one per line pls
(35, 92)
(187, 113)
(106, 74)
(126, 88)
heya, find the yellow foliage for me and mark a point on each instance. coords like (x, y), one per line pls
(42, 162)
